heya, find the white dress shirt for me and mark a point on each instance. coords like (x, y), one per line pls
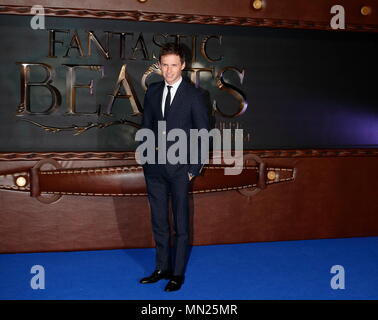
(173, 92)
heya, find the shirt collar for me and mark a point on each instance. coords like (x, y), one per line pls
(175, 85)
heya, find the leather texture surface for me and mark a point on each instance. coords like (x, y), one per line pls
(333, 195)
(291, 14)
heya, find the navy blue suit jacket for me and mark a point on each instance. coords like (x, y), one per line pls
(188, 110)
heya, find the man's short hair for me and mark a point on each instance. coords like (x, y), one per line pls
(172, 48)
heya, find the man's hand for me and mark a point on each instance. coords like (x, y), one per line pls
(190, 176)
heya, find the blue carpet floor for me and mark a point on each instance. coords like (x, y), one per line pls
(285, 270)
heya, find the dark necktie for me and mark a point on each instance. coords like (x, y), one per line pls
(167, 101)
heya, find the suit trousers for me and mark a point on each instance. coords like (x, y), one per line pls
(161, 187)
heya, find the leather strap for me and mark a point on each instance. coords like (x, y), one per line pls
(129, 180)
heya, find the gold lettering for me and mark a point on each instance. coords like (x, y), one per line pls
(72, 86)
(93, 38)
(154, 40)
(204, 48)
(142, 47)
(159, 44)
(194, 49)
(124, 80)
(24, 107)
(153, 69)
(75, 43)
(178, 37)
(122, 41)
(237, 93)
(53, 41)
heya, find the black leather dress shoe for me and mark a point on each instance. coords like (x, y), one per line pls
(156, 276)
(175, 283)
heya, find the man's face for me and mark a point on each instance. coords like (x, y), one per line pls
(171, 67)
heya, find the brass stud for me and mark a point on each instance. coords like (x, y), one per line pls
(271, 175)
(21, 181)
(366, 10)
(142, 1)
(257, 4)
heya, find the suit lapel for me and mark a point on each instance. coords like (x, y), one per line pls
(159, 100)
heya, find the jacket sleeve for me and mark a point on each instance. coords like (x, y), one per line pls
(200, 118)
(147, 118)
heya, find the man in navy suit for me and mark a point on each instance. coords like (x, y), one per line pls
(182, 106)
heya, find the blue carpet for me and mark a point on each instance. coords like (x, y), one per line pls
(284, 270)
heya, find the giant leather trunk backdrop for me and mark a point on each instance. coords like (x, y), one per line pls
(304, 94)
